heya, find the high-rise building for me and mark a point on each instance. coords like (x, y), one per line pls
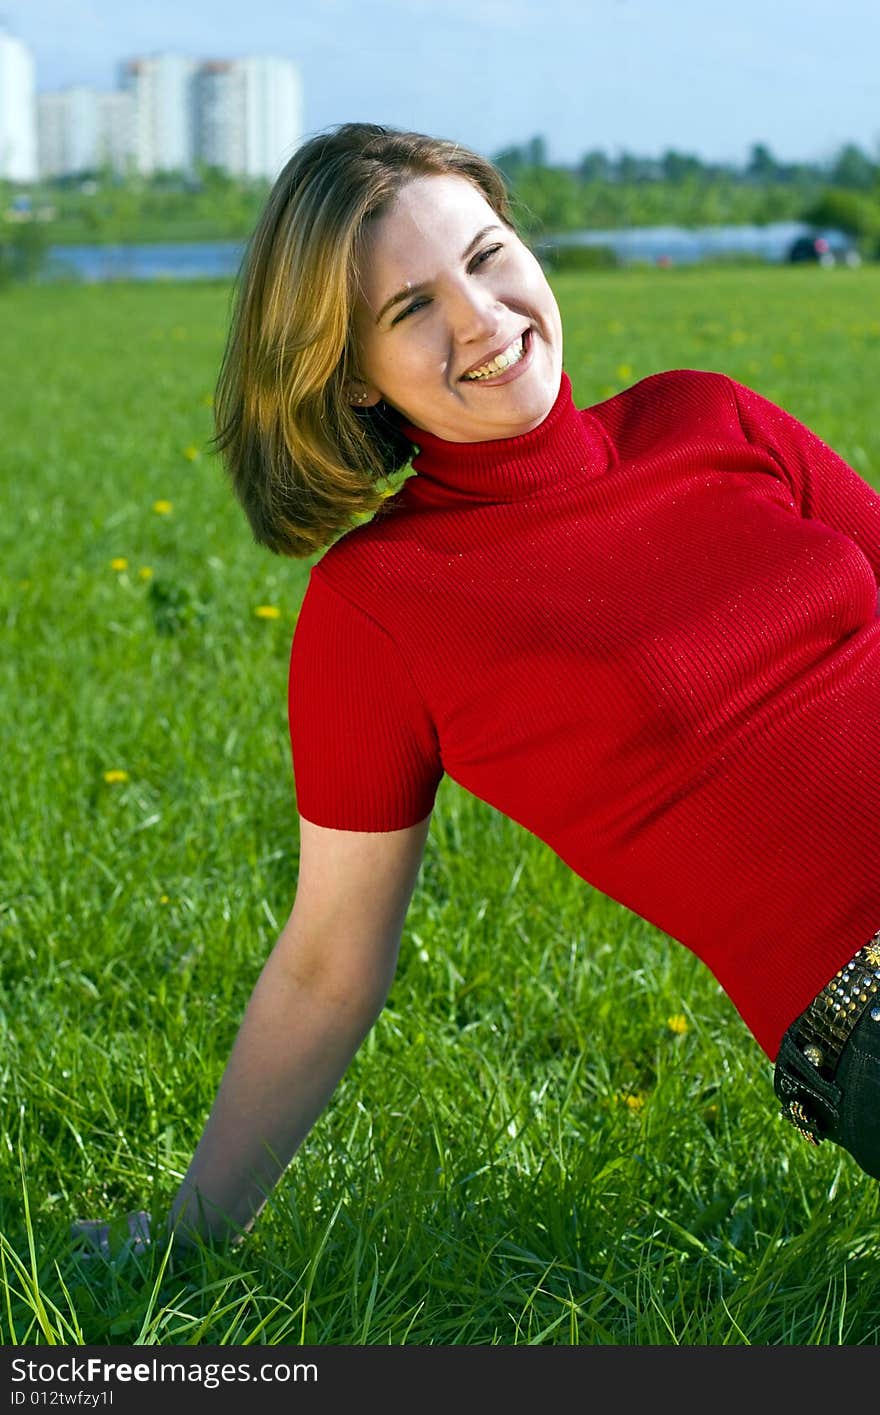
(82, 129)
(248, 114)
(273, 115)
(116, 128)
(164, 129)
(55, 153)
(219, 97)
(171, 112)
(18, 111)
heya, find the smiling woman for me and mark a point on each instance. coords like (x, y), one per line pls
(646, 631)
(359, 223)
(480, 322)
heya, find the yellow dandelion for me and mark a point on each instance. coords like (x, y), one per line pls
(115, 775)
(624, 371)
(119, 563)
(267, 611)
(145, 572)
(163, 508)
(634, 1103)
(677, 1024)
(191, 453)
(163, 899)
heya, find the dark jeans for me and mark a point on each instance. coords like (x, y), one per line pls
(845, 1109)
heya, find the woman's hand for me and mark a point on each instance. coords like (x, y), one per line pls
(120, 1238)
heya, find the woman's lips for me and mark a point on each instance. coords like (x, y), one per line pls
(510, 373)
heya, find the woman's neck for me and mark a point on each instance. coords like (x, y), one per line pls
(506, 468)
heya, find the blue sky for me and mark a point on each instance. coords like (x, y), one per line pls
(635, 75)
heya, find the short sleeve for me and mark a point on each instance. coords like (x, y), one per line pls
(825, 487)
(365, 751)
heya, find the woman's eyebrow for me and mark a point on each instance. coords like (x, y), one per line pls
(409, 290)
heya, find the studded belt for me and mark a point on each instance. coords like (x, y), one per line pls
(811, 1049)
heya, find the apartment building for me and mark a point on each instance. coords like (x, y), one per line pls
(169, 113)
(81, 129)
(161, 88)
(248, 114)
(18, 112)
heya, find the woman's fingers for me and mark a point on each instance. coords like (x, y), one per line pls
(111, 1240)
(91, 1234)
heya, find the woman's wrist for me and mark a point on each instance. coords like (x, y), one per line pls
(194, 1221)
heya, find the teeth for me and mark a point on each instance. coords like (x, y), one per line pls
(511, 355)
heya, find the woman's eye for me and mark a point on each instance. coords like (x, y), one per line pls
(416, 304)
(490, 250)
(409, 309)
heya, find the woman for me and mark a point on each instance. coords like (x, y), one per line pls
(646, 631)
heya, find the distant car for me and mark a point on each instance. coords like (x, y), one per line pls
(825, 248)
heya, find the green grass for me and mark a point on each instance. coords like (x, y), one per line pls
(524, 1150)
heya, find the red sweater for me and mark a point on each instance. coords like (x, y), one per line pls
(647, 632)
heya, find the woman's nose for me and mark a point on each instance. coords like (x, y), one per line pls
(476, 316)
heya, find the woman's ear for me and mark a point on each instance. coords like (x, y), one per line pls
(361, 397)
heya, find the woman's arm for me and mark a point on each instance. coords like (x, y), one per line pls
(317, 997)
(321, 989)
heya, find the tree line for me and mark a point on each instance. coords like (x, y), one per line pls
(850, 167)
(598, 192)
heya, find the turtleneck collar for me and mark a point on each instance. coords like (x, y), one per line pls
(508, 468)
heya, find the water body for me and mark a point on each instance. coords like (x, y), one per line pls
(220, 260)
(161, 260)
(679, 245)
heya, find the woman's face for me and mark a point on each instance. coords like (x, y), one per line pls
(482, 288)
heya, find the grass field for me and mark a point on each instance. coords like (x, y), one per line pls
(559, 1131)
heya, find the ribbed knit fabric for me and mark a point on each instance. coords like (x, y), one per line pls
(646, 631)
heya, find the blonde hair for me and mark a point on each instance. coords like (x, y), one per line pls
(303, 462)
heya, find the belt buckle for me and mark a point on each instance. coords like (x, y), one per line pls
(796, 1113)
(810, 1102)
(804, 1078)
